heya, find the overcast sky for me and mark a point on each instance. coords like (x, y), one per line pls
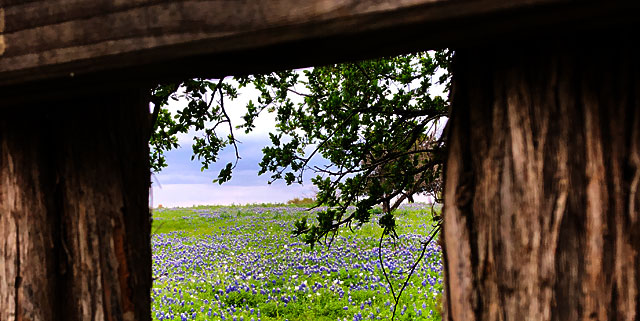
(183, 184)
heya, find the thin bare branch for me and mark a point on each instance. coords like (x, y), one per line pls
(228, 120)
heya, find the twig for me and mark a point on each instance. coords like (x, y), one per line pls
(384, 271)
(396, 299)
(224, 112)
(157, 228)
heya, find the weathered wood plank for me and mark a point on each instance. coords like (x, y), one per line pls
(55, 38)
(542, 214)
(74, 214)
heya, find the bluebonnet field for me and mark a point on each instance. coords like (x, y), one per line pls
(241, 264)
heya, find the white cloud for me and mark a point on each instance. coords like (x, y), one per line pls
(236, 109)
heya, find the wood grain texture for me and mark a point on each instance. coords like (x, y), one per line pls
(74, 210)
(57, 38)
(541, 185)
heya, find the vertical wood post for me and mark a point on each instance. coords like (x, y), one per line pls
(74, 217)
(542, 194)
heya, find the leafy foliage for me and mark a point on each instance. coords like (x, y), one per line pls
(305, 201)
(374, 121)
(203, 113)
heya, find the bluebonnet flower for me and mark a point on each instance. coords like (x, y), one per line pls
(235, 260)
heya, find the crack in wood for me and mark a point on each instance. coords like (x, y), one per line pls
(3, 46)
(18, 278)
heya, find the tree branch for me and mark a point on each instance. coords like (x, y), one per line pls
(228, 120)
(396, 299)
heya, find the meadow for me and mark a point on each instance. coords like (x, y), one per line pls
(241, 263)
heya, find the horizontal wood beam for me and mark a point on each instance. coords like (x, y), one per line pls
(165, 39)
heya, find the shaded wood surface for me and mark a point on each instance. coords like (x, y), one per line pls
(542, 197)
(74, 214)
(68, 38)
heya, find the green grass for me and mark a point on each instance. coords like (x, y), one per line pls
(211, 261)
